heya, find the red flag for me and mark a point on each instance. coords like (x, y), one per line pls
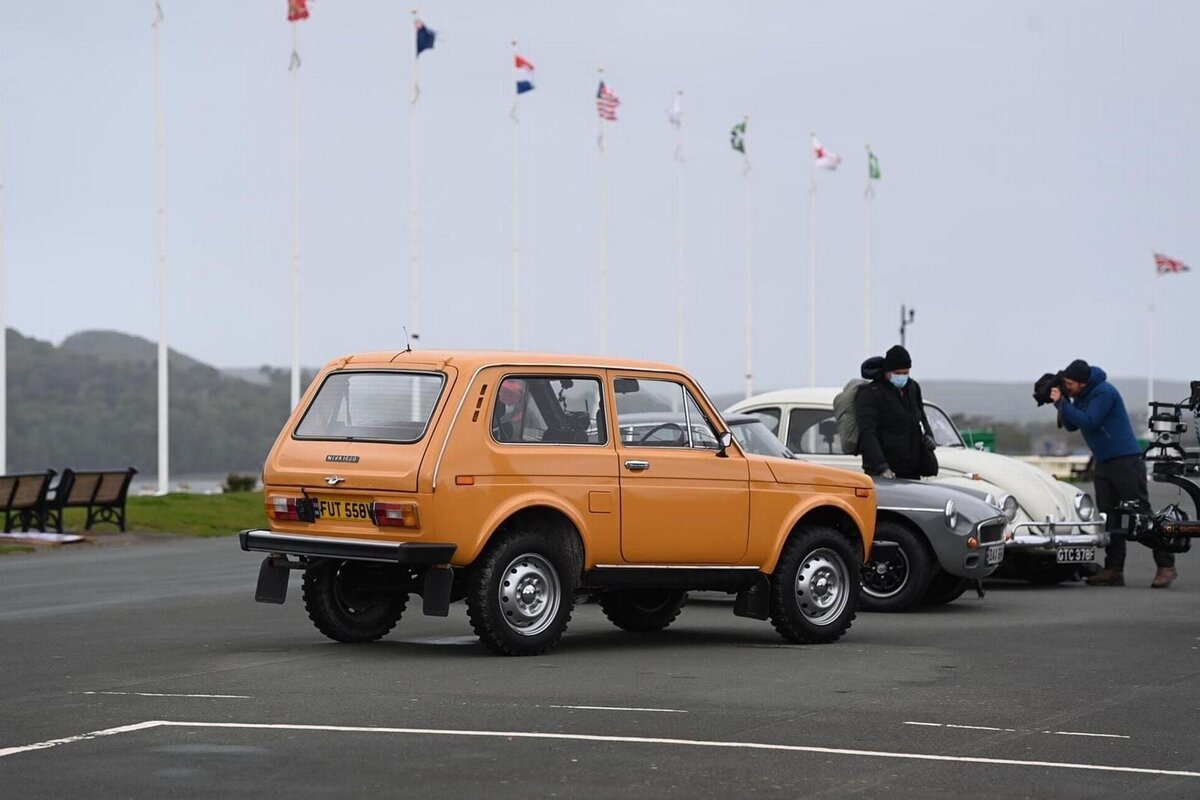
(297, 10)
(1165, 265)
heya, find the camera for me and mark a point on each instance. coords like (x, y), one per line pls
(1174, 463)
(1043, 385)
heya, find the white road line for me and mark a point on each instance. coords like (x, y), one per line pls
(1016, 730)
(160, 694)
(623, 708)
(141, 726)
(583, 737)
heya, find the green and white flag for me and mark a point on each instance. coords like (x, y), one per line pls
(737, 137)
(872, 166)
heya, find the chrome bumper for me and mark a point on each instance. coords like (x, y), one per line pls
(1050, 536)
(428, 553)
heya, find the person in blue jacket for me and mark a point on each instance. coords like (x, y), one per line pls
(1093, 406)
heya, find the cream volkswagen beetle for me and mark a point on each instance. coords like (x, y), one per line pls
(1055, 531)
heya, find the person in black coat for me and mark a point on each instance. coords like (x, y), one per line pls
(893, 431)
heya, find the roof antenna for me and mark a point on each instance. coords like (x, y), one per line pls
(407, 343)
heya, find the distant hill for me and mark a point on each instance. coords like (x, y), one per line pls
(92, 402)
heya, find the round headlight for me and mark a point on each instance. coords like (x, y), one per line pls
(1085, 506)
(951, 514)
(1009, 505)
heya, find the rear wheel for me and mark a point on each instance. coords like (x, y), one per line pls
(642, 610)
(814, 589)
(944, 588)
(521, 592)
(898, 573)
(351, 601)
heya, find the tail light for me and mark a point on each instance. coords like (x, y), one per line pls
(283, 508)
(397, 515)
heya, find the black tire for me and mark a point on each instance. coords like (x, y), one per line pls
(815, 587)
(896, 578)
(349, 601)
(944, 588)
(521, 591)
(642, 610)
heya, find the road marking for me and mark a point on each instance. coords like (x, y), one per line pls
(8, 751)
(584, 737)
(1017, 730)
(623, 708)
(163, 694)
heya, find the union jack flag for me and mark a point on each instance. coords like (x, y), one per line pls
(607, 102)
(1164, 264)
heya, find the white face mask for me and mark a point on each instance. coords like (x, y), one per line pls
(899, 381)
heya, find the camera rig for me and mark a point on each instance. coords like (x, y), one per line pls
(1174, 463)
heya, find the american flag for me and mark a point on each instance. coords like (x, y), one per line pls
(1165, 264)
(607, 102)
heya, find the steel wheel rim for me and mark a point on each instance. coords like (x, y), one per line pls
(879, 574)
(529, 594)
(822, 586)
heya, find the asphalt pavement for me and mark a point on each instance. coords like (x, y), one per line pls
(149, 671)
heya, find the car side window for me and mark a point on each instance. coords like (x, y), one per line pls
(770, 417)
(544, 409)
(660, 413)
(813, 430)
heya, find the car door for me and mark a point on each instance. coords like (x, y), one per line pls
(681, 502)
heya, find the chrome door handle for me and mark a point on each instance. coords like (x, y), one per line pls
(637, 466)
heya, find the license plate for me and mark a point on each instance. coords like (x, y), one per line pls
(1076, 555)
(344, 509)
(995, 554)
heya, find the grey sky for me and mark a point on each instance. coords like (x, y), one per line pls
(1033, 156)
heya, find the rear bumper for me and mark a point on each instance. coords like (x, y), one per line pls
(419, 553)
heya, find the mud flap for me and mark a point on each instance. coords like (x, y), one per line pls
(272, 582)
(435, 593)
(754, 602)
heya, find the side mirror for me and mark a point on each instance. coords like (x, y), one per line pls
(979, 446)
(725, 440)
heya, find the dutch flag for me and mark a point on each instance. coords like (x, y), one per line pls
(524, 75)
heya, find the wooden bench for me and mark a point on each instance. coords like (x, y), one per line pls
(24, 499)
(101, 492)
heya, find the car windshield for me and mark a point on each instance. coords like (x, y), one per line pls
(943, 431)
(756, 438)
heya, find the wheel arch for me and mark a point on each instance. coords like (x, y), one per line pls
(832, 513)
(537, 513)
(909, 524)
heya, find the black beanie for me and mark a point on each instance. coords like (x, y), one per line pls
(897, 358)
(1078, 371)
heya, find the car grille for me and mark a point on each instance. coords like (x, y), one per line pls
(991, 532)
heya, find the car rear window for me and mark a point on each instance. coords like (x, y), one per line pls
(372, 406)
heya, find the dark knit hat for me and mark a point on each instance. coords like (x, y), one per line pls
(1078, 371)
(897, 358)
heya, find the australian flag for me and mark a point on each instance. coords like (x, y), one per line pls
(425, 37)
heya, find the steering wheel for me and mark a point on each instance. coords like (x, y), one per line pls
(680, 436)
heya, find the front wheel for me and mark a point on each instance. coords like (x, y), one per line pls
(814, 589)
(352, 601)
(944, 588)
(642, 610)
(898, 573)
(521, 592)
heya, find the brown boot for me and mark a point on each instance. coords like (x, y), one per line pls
(1107, 577)
(1163, 578)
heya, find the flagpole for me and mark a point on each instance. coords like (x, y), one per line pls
(1153, 334)
(516, 290)
(749, 271)
(3, 319)
(680, 276)
(160, 153)
(603, 311)
(867, 196)
(812, 272)
(414, 198)
(294, 68)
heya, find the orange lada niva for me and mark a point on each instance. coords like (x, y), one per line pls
(521, 482)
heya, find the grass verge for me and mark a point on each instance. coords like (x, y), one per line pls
(187, 514)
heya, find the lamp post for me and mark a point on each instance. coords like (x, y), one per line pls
(906, 319)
